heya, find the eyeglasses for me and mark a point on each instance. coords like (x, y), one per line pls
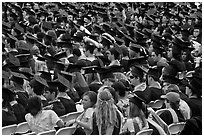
(131, 77)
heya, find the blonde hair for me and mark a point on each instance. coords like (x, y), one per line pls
(106, 112)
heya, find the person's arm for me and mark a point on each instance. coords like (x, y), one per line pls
(98, 45)
(60, 123)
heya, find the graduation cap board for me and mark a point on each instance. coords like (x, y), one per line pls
(15, 61)
(19, 75)
(38, 80)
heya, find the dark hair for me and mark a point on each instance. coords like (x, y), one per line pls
(34, 105)
(89, 47)
(115, 53)
(52, 89)
(92, 96)
(38, 89)
(77, 52)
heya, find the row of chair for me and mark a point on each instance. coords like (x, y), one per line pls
(16, 129)
(21, 128)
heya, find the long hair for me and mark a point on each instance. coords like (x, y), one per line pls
(106, 113)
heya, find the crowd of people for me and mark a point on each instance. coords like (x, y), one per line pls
(110, 60)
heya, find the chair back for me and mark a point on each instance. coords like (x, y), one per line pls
(176, 128)
(157, 104)
(70, 116)
(145, 132)
(9, 130)
(50, 132)
(66, 131)
(160, 111)
(22, 127)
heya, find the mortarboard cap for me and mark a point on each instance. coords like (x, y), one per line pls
(23, 57)
(137, 61)
(106, 41)
(17, 77)
(46, 75)
(52, 86)
(65, 78)
(171, 79)
(137, 101)
(105, 73)
(90, 69)
(60, 55)
(77, 66)
(27, 72)
(14, 60)
(38, 81)
(19, 28)
(59, 65)
(12, 38)
(47, 25)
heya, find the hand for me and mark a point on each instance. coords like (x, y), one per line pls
(68, 123)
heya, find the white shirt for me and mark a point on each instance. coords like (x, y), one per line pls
(43, 121)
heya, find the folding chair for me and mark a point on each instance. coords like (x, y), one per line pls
(70, 116)
(145, 132)
(160, 111)
(9, 130)
(176, 128)
(50, 132)
(22, 128)
(66, 131)
(32, 133)
(157, 104)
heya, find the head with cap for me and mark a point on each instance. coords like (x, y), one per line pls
(119, 88)
(113, 54)
(106, 113)
(153, 76)
(51, 91)
(194, 87)
(136, 75)
(38, 85)
(172, 99)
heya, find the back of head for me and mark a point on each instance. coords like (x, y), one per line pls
(34, 105)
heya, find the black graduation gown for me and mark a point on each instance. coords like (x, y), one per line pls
(22, 98)
(95, 127)
(8, 118)
(19, 112)
(195, 105)
(155, 93)
(68, 104)
(193, 126)
(168, 119)
(58, 107)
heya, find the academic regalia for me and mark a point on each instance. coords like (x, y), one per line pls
(69, 104)
(193, 126)
(167, 117)
(8, 117)
(116, 130)
(19, 112)
(155, 93)
(22, 98)
(58, 107)
(195, 105)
